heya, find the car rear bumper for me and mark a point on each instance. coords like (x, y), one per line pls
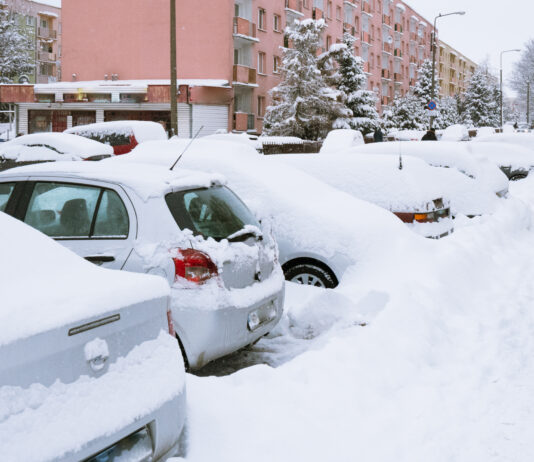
(76, 421)
(212, 331)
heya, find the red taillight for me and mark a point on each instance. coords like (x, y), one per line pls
(194, 266)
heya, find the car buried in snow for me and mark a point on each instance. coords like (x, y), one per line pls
(319, 229)
(88, 370)
(188, 227)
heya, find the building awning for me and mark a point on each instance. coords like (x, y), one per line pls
(48, 13)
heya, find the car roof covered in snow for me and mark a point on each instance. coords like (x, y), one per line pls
(143, 130)
(146, 180)
(522, 139)
(47, 286)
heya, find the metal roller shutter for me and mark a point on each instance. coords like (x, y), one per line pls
(184, 117)
(212, 117)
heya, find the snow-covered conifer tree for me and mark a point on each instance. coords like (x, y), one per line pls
(348, 77)
(303, 104)
(15, 57)
(447, 113)
(405, 113)
(423, 86)
(481, 100)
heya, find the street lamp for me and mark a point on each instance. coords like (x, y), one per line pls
(432, 95)
(502, 52)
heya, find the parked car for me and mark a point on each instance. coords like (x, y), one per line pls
(484, 131)
(456, 132)
(413, 193)
(514, 160)
(122, 135)
(341, 139)
(525, 140)
(475, 184)
(321, 231)
(89, 370)
(227, 285)
(43, 147)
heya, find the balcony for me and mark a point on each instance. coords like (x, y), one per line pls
(349, 29)
(317, 13)
(351, 3)
(294, 5)
(386, 74)
(245, 29)
(413, 37)
(397, 52)
(385, 100)
(45, 32)
(366, 8)
(243, 122)
(413, 60)
(398, 28)
(412, 82)
(387, 48)
(366, 67)
(386, 20)
(397, 78)
(244, 75)
(366, 38)
(46, 56)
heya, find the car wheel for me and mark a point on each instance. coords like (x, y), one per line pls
(309, 274)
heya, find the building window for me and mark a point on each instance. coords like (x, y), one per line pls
(261, 62)
(29, 21)
(329, 10)
(261, 106)
(338, 13)
(261, 19)
(276, 64)
(306, 3)
(328, 42)
(276, 23)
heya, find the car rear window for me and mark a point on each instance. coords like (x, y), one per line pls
(5, 192)
(210, 212)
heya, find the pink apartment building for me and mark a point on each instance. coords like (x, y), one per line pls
(115, 58)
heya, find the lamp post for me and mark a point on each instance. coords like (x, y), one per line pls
(432, 91)
(174, 89)
(502, 110)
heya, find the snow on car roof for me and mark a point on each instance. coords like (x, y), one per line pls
(376, 179)
(442, 154)
(503, 154)
(67, 144)
(146, 180)
(341, 138)
(522, 139)
(142, 130)
(45, 285)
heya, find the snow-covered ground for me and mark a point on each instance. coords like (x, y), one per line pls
(436, 365)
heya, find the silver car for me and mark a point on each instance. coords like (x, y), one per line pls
(88, 370)
(227, 283)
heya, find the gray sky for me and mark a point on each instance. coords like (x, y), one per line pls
(487, 28)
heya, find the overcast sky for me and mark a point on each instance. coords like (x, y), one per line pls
(487, 28)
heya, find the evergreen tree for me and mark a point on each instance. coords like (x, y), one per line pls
(405, 113)
(481, 100)
(348, 77)
(423, 86)
(303, 104)
(15, 58)
(447, 113)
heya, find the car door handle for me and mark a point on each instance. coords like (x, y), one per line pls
(99, 259)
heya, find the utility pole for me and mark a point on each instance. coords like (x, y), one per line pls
(174, 85)
(528, 103)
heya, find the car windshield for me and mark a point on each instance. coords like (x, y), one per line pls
(210, 212)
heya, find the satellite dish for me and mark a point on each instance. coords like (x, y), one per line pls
(390, 40)
(24, 79)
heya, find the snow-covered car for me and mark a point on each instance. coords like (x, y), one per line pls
(413, 193)
(456, 132)
(514, 160)
(39, 147)
(122, 135)
(484, 131)
(406, 135)
(321, 231)
(519, 139)
(341, 139)
(88, 370)
(227, 285)
(475, 185)
(523, 128)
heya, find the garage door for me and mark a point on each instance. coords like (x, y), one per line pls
(184, 116)
(212, 117)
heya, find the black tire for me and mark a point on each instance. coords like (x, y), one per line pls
(308, 273)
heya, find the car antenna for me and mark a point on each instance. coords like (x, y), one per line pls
(400, 154)
(187, 147)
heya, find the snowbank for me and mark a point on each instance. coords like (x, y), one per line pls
(455, 133)
(45, 285)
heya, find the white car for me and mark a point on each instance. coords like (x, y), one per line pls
(525, 140)
(475, 184)
(321, 231)
(456, 132)
(227, 285)
(52, 147)
(88, 370)
(341, 139)
(409, 188)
